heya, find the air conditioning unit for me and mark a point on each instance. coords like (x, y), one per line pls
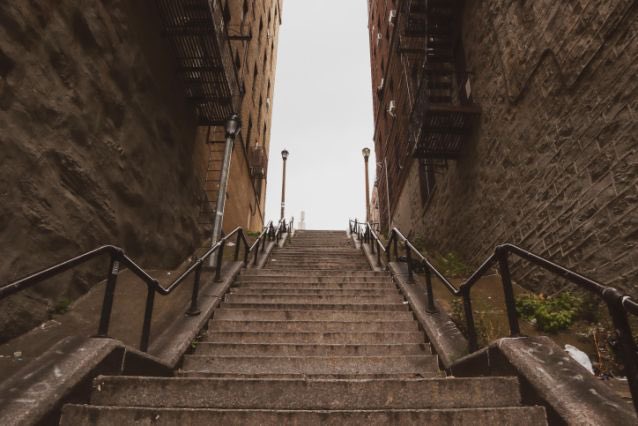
(392, 17)
(257, 161)
(392, 107)
(379, 37)
(381, 84)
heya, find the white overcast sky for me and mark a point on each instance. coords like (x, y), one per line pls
(322, 113)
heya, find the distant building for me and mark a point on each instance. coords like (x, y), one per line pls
(537, 148)
(302, 221)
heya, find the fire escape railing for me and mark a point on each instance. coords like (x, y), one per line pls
(618, 304)
(200, 42)
(119, 259)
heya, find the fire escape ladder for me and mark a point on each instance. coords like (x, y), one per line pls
(443, 113)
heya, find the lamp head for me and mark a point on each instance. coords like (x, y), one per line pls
(233, 125)
(366, 153)
(284, 154)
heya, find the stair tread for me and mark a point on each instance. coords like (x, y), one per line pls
(73, 414)
(307, 394)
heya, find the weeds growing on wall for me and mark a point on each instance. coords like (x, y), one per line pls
(61, 307)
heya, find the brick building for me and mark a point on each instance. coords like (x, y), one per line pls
(253, 29)
(510, 122)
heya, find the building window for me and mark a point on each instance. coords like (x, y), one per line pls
(250, 130)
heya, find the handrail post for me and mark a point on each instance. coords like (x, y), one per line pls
(237, 245)
(263, 247)
(376, 242)
(372, 246)
(469, 320)
(396, 247)
(408, 260)
(148, 316)
(257, 251)
(388, 254)
(510, 301)
(355, 228)
(431, 309)
(193, 310)
(218, 264)
(614, 299)
(109, 293)
(246, 252)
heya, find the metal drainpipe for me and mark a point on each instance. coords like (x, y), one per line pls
(231, 133)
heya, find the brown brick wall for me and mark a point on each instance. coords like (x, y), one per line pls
(554, 162)
(255, 59)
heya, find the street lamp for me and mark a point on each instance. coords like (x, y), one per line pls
(366, 156)
(233, 127)
(284, 156)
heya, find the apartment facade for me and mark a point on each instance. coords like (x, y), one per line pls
(252, 30)
(510, 122)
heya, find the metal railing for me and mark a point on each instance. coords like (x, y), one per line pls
(618, 304)
(119, 259)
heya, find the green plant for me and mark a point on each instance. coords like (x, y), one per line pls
(484, 327)
(253, 233)
(452, 265)
(551, 314)
(61, 307)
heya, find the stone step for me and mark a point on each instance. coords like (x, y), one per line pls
(312, 326)
(267, 349)
(311, 279)
(288, 267)
(316, 253)
(329, 338)
(365, 286)
(103, 416)
(316, 298)
(303, 291)
(285, 265)
(329, 250)
(310, 315)
(320, 306)
(306, 394)
(310, 263)
(344, 273)
(271, 376)
(426, 365)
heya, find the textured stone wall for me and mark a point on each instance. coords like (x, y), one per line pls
(97, 145)
(554, 162)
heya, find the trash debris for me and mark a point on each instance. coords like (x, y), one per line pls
(17, 354)
(580, 357)
(49, 324)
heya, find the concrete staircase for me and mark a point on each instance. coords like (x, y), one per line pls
(315, 337)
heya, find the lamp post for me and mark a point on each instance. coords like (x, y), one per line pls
(284, 156)
(366, 156)
(233, 127)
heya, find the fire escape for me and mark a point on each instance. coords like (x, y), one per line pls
(443, 113)
(197, 34)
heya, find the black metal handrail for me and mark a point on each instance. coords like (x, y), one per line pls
(119, 258)
(618, 304)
